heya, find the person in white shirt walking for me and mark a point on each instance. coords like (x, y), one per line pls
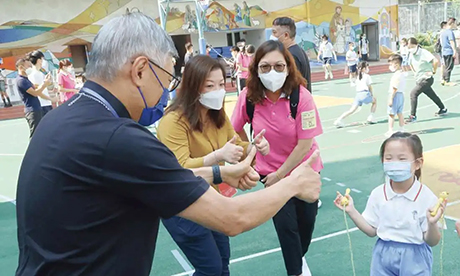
(37, 77)
(352, 62)
(326, 50)
(396, 94)
(5, 98)
(404, 52)
(364, 95)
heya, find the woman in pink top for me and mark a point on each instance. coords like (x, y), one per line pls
(244, 60)
(66, 80)
(273, 80)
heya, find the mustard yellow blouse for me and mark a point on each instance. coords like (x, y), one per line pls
(191, 146)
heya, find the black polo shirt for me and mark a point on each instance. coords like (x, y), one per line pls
(91, 190)
(302, 62)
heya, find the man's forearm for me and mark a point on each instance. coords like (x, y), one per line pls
(205, 173)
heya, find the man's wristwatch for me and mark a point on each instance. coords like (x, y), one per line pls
(217, 178)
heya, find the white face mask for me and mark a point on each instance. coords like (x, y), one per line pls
(272, 37)
(29, 71)
(213, 100)
(273, 80)
(392, 68)
(367, 70)
(413, 50)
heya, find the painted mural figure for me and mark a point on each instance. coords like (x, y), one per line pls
(189, 19)
(350, 34)
(339, 45)
(238, 15)
(247, 14)
(334, 22)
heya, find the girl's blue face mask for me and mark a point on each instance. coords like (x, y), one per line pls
(398, 171)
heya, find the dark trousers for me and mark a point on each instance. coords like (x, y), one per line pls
(242, 84)
(46, 109)
(448, 67)
(208, 251)
(33, 119)
(424, 86)
(294, 225)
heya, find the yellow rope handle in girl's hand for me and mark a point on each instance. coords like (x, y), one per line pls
(344, 202)
(442, 198)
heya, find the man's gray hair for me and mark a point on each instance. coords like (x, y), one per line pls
(124, 38)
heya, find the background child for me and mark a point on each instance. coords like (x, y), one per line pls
(396, 94)
(398, 212)
(352, 62)
(363, 96)
(404, 52)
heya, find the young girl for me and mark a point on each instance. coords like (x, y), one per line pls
(404, 52)
(364, 95)
(398, 212)
(352, 62)
(396, 94)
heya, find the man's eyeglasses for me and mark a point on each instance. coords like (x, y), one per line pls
(265, 68)
(173, 82)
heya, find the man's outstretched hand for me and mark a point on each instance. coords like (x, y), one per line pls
(241, 176)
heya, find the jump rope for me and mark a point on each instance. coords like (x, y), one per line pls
(442, 197)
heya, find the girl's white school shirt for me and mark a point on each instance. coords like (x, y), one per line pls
(400, 217)
(363, 83)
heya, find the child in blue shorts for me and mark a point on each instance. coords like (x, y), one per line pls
(363, 95)
(396, 94)
(399, 212)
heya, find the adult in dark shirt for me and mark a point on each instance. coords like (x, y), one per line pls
(284, 30)
(29, 94)
(94, 181)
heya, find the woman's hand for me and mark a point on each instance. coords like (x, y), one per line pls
(231, 153)
(271, 179)
(339, 204)
(261, 143)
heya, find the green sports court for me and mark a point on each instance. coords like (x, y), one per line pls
(351, 160)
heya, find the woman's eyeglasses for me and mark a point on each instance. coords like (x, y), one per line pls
(265, 68)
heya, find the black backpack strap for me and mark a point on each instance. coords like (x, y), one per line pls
(294, 102)
(250, 112)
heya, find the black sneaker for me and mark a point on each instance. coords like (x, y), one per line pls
(441, 112)
(411, 119)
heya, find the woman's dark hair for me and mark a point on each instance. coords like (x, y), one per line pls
(256, 88)
(235, 48)
(192, 84)
(34, 56)
(64, 63)
(325, 37)
(412, 140)
(361, 66)
(250, 49)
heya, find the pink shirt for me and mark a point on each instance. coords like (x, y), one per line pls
(245, 61)
(282, 131)
(66, 81)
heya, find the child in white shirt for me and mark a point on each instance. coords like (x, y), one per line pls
(396, 94)
(364, 95)
(399, 212)
(352, 62)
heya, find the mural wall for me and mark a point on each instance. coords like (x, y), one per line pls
(53, 25)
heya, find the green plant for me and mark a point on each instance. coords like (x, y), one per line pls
(426, 40)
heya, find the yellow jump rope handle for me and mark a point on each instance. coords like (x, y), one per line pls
(442, 197)
(344, 201)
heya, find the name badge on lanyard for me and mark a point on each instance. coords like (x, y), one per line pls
(97, 97)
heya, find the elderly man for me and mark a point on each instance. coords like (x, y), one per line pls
(94, 182)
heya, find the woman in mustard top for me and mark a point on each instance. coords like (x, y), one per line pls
(197, 130)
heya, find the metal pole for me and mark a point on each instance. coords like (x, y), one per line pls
(445, 10)
(418, 16)
(163, 15)
(199, 16)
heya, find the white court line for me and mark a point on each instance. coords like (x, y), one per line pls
(11, 154)
(327, 179)
(7, 199)
(384, 117)
(263, 253)
(356, 190)
(182, 261)
(340, 184)
(14, 124)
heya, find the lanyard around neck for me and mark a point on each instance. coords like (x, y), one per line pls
(98, 98)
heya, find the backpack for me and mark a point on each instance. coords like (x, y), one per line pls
(293, 103)
(437, 46)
